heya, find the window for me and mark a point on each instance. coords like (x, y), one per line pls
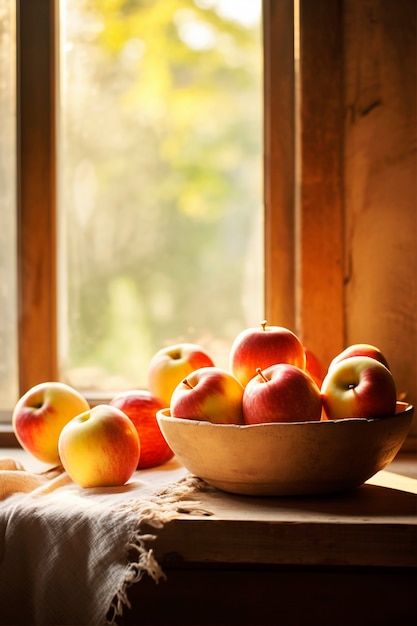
(159, 173)
(139, 210)
(8, 308)
(40, 340)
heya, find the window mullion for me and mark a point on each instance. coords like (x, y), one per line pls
(36, 205)
(279, 161)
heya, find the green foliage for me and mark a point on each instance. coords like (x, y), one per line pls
(161, 187)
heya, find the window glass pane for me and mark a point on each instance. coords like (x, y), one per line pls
(8, 316)
(160, 193)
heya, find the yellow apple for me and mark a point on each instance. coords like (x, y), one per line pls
(170, 365)
(358, 386)
(209, 394)
(40, 415)
(100, 448)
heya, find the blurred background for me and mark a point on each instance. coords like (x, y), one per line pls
(160, 209)
(160, 169)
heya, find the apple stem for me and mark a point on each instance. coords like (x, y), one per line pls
(263, 324)
(187, 384)
(259, 371)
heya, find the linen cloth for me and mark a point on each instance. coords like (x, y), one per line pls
(64, 549)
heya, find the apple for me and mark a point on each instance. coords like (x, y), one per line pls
(314, 367)
(281, 393)
(170, 365)
(100, 447)
(264, 346)
(358, 386)
(360, 349)
(141, 407)
(210, 394)
(40, 415)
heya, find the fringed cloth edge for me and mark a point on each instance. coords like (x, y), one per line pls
(158, 510)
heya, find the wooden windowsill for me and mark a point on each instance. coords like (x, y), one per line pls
(342, 559)
(375, 515)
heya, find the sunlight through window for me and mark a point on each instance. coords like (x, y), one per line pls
(8, 322)
(160, 182)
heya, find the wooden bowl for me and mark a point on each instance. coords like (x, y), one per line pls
(299, 458)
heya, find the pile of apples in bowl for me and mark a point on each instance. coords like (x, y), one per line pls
(272, 425)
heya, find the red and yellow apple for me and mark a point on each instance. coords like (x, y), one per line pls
(358, 386)
(170, 365)
(40, 415)
(209, 394)
(100, 447)
(281, 393)
(262, 347)
(141, 407)
(314, 367)
(360, 349)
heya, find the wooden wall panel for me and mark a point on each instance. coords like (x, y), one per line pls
(341, 221)
(319, 227)
(380, 182)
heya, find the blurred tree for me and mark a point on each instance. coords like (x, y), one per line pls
(161, 184)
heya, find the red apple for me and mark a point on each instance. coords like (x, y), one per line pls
(141, 407)
(360, 349)
(281, 393)
(100, 448)
(169, 366)
(314, 367)
(40, 415)
(264, 346)
(211, 394)
(358, 386)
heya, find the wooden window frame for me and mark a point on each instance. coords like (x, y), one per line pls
(36, 192)
(302, 193)
(303, 172)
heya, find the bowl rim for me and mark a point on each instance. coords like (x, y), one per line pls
(402, 409)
